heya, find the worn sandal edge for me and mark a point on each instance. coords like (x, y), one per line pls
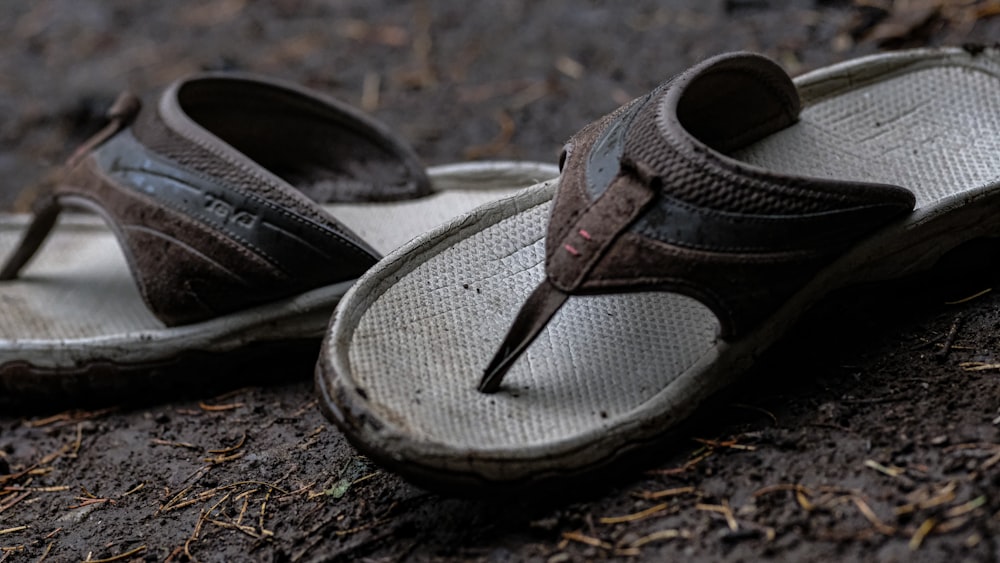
(916, 236)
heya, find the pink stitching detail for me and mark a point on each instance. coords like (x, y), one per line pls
(584, 234)
(571, 250)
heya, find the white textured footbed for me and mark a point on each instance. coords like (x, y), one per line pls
(933, 131)
(78, 285)
(418, 349)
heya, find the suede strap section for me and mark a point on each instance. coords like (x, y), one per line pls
(591, 235)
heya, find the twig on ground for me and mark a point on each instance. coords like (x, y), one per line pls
(219, 408)
(529, 95)
(301, 490)
(945, 495)
(252, 482)
(885, 470)
(177, 550)
(782, 487)
(159, 442)
(951, 525)
(194, 536)
(310, 406)
(243, 510)
(15, 500)
(313, 438)
(661, 535)
(246, 493)
(634, 516)
(949, 340)
(868, 513)
(45, 554)
(18, 475)
(963, 509)
(90, 501)
(264, 532)
(978, 366)
(232, 448)
(197, 474)
(53, 489)
(731, 444)
(804, 502)
(69, 416)
(78, 442)
(921, 533)
(223, 458)
(176, 503)
(569, 66)
(723, 509)
(224, 498)
(654, 495)
(361, 528)
(684, 468)
(133, 490)
(580, 538)
(976, 295)
(248, 530)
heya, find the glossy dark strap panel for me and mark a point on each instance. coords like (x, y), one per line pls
(294, 244)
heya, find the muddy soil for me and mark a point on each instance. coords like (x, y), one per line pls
(870, 434)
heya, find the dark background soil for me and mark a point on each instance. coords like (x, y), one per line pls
(867, 435)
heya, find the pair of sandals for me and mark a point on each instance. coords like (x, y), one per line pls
(538, 336)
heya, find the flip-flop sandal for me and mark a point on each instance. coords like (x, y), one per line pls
(237, 210)
(549, 334)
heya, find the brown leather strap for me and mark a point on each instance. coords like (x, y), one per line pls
(33, 237)
(596, 229)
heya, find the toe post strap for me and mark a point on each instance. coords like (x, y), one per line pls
(572, 258)
(41, 225)
(543, 303)
(47, 207)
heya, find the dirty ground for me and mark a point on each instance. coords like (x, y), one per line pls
(870, 434)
